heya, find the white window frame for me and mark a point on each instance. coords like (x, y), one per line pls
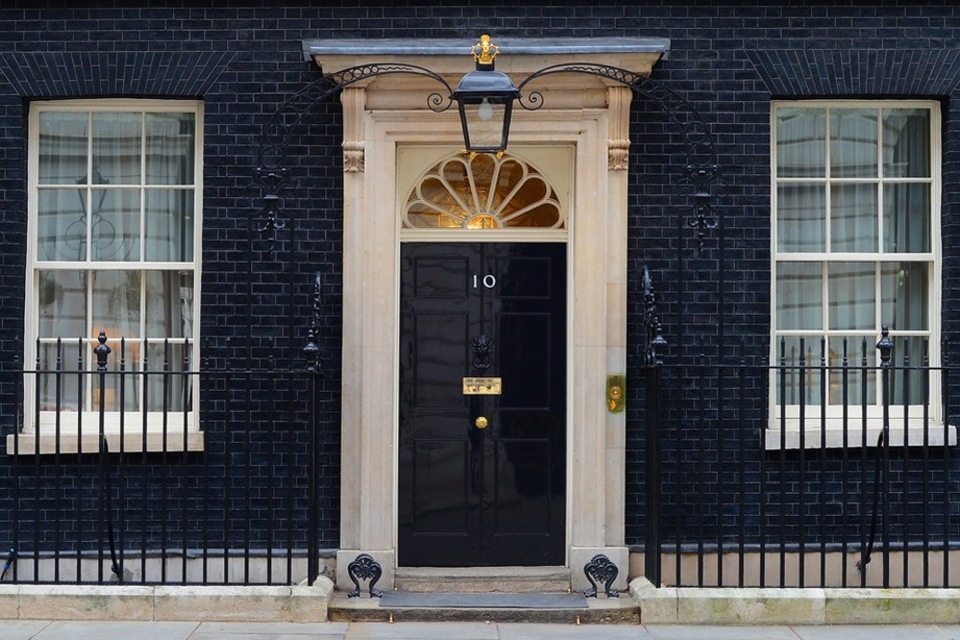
(79, 431)
(830, 428)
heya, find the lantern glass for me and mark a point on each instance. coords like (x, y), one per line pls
(486, 123)
(485, 98)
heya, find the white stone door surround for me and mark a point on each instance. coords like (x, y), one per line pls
(387, 112)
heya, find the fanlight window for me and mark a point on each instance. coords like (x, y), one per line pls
(483, 192)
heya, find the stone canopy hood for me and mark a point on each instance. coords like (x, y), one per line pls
(518, 58)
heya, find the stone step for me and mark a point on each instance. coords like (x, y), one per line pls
(443, 607)
(484, 579)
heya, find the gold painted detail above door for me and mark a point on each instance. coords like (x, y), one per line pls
(483, 191)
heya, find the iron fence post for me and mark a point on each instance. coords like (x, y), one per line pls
(102, 350)
(885, 346)
(652, 537)
(312, 355)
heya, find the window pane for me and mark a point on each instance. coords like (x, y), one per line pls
(62, 304)
(801, 216)
(169, 225)
(116, 148)
(853, 218)
(115, 234)
(799, 295)
(906, 218)
(116, 303)
(170, 148)
(169, 304)
(61, 225)
(798, 380)
(847, 374)
(907, 380)
(853, 143)
(906, 143)
(852, 295)
(905, 289)
(63, 148)
(801, 143)
(62, 390)
(167, 392)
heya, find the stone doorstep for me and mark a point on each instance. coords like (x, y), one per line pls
(623, 610)
(483, 579)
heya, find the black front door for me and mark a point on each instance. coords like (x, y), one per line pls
(482, 469)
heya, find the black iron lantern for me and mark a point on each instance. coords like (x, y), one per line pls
(485, 99)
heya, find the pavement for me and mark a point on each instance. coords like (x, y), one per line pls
(68, 630)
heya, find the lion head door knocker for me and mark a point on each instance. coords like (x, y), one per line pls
(482, 351)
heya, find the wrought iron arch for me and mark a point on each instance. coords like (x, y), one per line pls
(271, 174)
(701, 172)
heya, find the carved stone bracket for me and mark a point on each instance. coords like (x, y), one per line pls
(618, 155)
(365, 568)
(354, 101)
(353, 157)
(601, 569)
(618, 147)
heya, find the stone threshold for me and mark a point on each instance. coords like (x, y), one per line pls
(601, 610)
(483, 579)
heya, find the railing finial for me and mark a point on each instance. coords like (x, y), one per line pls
(102, 351)
(885, 345)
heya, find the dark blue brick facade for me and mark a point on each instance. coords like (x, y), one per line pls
(728, 61)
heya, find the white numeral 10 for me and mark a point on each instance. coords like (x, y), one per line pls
(489, 281)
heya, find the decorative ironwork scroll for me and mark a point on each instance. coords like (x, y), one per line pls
(701, 172)
(364, 567)
(653, 339)
(271, 175)
(312, 350)
(601, 569)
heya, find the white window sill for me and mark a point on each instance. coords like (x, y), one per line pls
(833, 435)
(28, 444)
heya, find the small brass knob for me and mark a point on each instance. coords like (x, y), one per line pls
(481, 422)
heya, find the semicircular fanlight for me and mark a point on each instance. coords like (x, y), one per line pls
(483, 192)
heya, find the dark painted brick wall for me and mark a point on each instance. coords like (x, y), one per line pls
(244, 59)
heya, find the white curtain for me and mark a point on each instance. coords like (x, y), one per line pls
(857, 138)
(97, 202)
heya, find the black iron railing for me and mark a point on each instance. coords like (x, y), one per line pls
(819, 468)
(127, 462)
(825, 467)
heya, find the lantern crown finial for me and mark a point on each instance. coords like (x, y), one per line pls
(484, 52)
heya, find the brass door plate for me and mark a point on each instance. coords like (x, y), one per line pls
(482, 386)
(615, 399)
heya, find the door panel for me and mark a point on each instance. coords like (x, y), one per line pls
(472, 496)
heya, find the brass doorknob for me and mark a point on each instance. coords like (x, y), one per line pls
(481, 422)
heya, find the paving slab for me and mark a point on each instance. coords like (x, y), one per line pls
(422, 631)
(266, 635)
(533, 631)
(269, 631)
(21, 629)
(709, 632)
(89, 630)
(315, 628)
(871, 632)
